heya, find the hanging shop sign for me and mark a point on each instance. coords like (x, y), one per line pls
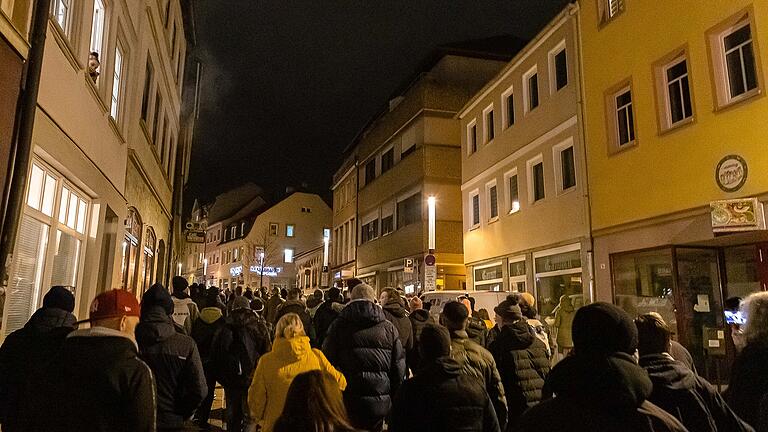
(737, 215)
(195, 236)
(731, 173)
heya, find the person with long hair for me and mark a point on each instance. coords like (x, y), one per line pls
(314, 404)
(291, 355)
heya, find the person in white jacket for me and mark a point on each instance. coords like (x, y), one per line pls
(185, 311)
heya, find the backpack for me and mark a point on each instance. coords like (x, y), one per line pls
(235, 357)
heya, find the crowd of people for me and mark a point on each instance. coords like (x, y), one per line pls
(353, 360)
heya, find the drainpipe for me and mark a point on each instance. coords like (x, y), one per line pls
(22, 151)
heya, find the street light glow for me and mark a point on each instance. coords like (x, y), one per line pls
(431, 204)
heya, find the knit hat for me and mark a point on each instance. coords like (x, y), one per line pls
(602, 328)
(333, 293)
(241, 302)
(508, 309)
(114, 303)
(157, 295)
(455, 312)
(179, 283)
(363, 292)
(60, 298)
(257, 305)
(529, 298)
(435, 342)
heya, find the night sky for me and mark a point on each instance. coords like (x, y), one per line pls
(288, 84)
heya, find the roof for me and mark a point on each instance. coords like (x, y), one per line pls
(231, 202)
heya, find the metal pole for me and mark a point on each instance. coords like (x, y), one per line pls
(261, 271)
(23, 136)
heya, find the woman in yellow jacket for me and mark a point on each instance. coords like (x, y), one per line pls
(290, 356)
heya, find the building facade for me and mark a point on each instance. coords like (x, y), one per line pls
(344, 234)
(411, 152)
(98, 197)
(524, 188)
(309, 269)
(675, 160)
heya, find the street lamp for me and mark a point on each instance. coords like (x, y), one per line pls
(326, 240)
(431, 205)
(205, 271)
(179, 270)
(261, 269)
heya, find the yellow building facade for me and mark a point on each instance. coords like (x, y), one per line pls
(674, 99)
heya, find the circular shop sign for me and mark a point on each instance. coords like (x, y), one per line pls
(731, 173)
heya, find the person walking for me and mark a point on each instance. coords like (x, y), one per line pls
(25, 351)
(527, 303)
(314, 403)
(747, 390)
(173, 358)
(204, 330)
(474, 360)
(314, 301)
(294, 304)
(441, 397)
(521, 359)
(236, 349)
(599, 387)
(366, 348)
(271, 307)
(327, 313)
(97, 382)
(185, 310)
(291, 355)
(677, 389)
(563, 324)
(394, 310)
(419, 317)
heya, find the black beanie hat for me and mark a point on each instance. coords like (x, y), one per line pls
(455, 312)
(602, 328)
(435, 342)
(157, 295)
(509, 309)
(179, 283)
(60, 298)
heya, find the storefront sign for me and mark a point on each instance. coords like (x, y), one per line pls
(737, 215)
(195, 236)
(266, 271)
(236, 271)
(488, 273)
(559, 262)
(731, 173)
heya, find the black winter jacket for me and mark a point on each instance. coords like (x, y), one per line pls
(325, 315)
(478, 363)
(397, 315)
(366, 348)
(175, 363)
(237, 347)
(299, 308)
(523, 364)
(204, 329)
(419, 318)
(748, 389)
(97, 384)
(270, 308)
(442, 398)
(25, 352)
(598, 394)
(477, 330)
(689, 397)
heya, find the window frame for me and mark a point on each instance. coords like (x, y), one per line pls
(511, 209)
(530, 164)
(488, 207)
(489, 132)
(604, 14)
(365, 171)
(661, 82)
(505, 123)
(472, 137)
(102, 29)
(290, 230)
(274, 232)
(611, 117)
(289, 255)
(65, 27)
(527, 109)
(561, 47)
(557, 159)
(474, 224)
(387, 150)
(116, 93)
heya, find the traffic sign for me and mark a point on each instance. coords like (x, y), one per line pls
(430, 278)
(408, 265)
(429, 260)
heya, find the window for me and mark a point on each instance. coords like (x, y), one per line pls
(387, 225)
(733, 55)
(625, 123)
(157, 117)
(273, 229)
(488, 123)
(97, 26)
(474, 200)
(536, 189)
(472, 137)
(513, 192)
(493, 201)
(508, 108)
(232, 232)
(236, 255)
(565, 165)
(117, 82)
(387, 160)
(609, 9)
(558, 68)
(408, 151)
(148, 77)
(149, 260)
(673, 91)
(370, 231)
(131, 244)
(531, 89)
(409, 210)
(242, 229)
(289, 230)
(60, 9)
(370, 171)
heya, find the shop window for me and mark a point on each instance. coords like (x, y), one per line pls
(517, 274)
(489, 277)
(409, 211)
(131, 249)
(149, 259)
(558, 283)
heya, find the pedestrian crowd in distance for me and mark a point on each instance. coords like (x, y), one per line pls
(350, 360)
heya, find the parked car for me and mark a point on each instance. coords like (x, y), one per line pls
(483, 300)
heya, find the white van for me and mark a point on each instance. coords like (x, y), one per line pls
(483, 300)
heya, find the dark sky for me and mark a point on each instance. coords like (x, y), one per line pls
(288, 84)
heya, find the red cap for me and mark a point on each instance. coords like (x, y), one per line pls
(113, 304)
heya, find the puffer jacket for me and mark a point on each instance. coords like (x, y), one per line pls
(176, 366)
(205, 327)
(523, 364)
(442, 398)
(299, 308)
(324, 316)
(24, 352)
(606, 394)
(397, 315)
(477, 330)
(237, 347)
(419, 318)
(748, 388)
(275, 372)
(366, 348)
(478, 363)
(689, 397)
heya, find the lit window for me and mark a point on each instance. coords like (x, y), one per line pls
(117, 82)
(288, 255)
(289, 230)
(513, 193)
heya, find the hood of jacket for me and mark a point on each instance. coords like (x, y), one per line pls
(242, 318)
(363, 313)
(440, 367)
(46, 319)
(476, 323)
(613, 382)
(396, 309)
(420, 315)
(292, 349)
(210, 315)
(155, 326)
(666, 372)
(517, 336)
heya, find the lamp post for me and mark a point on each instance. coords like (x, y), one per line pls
(261, 269)
(431, 205)
(179, 270)
(430, 269)
(205, 271)
(326, 241)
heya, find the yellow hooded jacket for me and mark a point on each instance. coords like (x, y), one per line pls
(275, 372)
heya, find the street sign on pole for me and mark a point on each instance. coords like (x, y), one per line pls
(430, 273)
(324, 277)
(408, 265)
